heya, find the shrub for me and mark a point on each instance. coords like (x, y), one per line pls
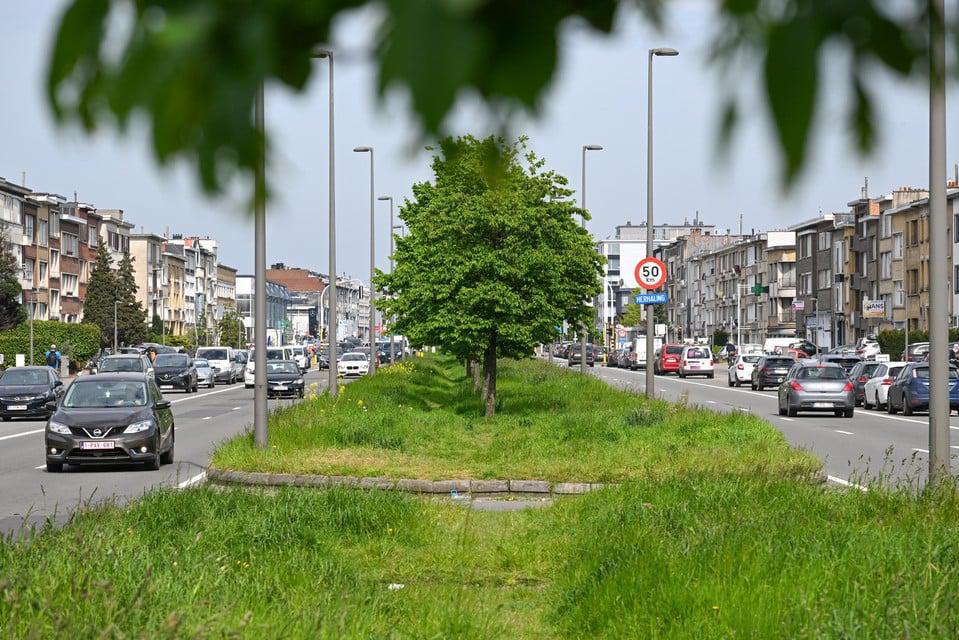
(78, 341)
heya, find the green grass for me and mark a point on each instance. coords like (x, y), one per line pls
(422, 420)
(692, 557)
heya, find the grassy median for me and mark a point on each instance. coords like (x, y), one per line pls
(422, 420)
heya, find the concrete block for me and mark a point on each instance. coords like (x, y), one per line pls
(570, 488)
(489, 486)
(529, 486)
(342, 481)
(414, 486)
(375, 483)
(448, 486)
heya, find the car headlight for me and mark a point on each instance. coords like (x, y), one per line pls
(298, 381)
(56, 427)
(137, 427)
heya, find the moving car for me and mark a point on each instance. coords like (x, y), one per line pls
(110, 417)
(846, 361)
(770, 371)
(817, 387)
(741, 369)
(272, 354)
(125, 363)
(574, 355)
(910, 390)
(867, 348)
(843, 350)
(204, 373)
(353, 364)
(876, 390)
(805, 346)
(221, 360)
(915, 353)
(284, 378)
(860, 374)
(25, 392)
(696, 361)
(669, 359)
(299, 357)
(175, 371)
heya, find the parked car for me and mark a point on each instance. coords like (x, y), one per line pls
(751, 349)
(741, 369)
(770, 371)
(915, 353)
(26, 391)
(353, 364)
(805, 346)
(846, 361)
(842, 350)
(696, 361)
(176, 371)
(574, 357)
(860, 374)
(111, 417)
(910, 390)
(867, 348)
(817, 387)
(876, 390)
(204, 373)
(126, 364)
(284, 378)
(668, 359)
(221, 360)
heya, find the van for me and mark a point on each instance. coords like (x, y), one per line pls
(221, 361)
(769, 346)
(272, 353)
(637, 352)
(696, 361)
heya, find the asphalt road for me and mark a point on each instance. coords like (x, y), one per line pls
(868, 447)
(29, 495)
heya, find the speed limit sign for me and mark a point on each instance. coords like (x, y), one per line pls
(650, 273)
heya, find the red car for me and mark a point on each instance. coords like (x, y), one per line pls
(668, 361)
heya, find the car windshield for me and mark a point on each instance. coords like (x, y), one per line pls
(821, 373)
(202, 364)
(697, 353)
(95, 394)
(211, 354)
(274, 354)
(779, 362)
(121, 364)
(751, 359)
(23, 376)
(869, 368)
(923, 373)
(674, 350)
(282, 367)
(893, 372)
(354, 356)
(171, 360)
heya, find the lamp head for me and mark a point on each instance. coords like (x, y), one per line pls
(385, 198)
(362, 149)
(664, 51)
(593, 147)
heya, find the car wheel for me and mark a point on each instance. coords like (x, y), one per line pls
(865, 402)
(248, 386)
(752, 385)
(878, 406)
(167, 458)
(782, 411)
(711, 376)
(791, 411)
(196, 387)
(839, 412)
(890, 407)
(682, 374)
(849, 413)
(157, 461)
(730, 382)
(54, 467)
(301, 394)
(6, 418)
(759, 387)
(906, 407)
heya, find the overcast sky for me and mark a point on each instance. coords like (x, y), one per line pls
(598, 97)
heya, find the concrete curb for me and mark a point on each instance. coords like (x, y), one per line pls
(436, 487)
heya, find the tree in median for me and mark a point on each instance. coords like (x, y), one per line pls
(101, 293)
(494, 259)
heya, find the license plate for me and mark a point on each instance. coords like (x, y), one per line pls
(279, 387)
(823, 405)
(97, 444)
(166, 386)
(17, 407)
(693, 366)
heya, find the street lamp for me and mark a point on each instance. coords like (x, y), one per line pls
(331, 313)
(115, 303)
(650, 319)
(372, 263)
(582, 197)
(392, 229)
(260, 408)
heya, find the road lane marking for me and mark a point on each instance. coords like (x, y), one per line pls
(41, 466)
(236, 408)
(711, 401)
(24, 433)
(204, 395)
(192, 481)
(846, 433)
(207, 418)
(846, 483)
(920, 450)
(788, 419)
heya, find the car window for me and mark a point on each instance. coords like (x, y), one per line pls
(674, 350)
(24, 377)
(201, 364)
(779, 362)
(923, 373)
(281, 367)
(821, 373)
(894, 372)
(155, 391)
(121, 364)
(354, 356)
(172, 360)
(275, 354)
(105, 393)
(212, 354)
(870, 369)
(697, 353)
(750, 359)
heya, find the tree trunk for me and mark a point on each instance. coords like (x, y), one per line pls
(477, 377)
(469, 368)
(489, 373)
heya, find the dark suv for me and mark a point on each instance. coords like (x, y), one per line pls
(860, 375)
(574, 355)
(770, 372)
(175, 371)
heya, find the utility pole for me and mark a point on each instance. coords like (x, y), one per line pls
(938, 250)
(582, 196)
(390, 198)
(260, 412)
(331, 312)
(115, 303)
(373, 357)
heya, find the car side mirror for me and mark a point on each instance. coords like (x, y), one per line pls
(51, 406)
(162, 404)
(58, 383)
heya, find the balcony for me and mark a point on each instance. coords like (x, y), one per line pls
(781, 290)
(783, 318)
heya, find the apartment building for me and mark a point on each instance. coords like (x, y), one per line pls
(146, 252)
(225, 290)
(813, 304)
(780, 262)
(114, 232)
(173, 290)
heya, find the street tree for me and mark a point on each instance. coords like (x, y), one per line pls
(494, 259)
(101, 293)
(131, 317)
(632, 315)
(12, 311)
(230, 329)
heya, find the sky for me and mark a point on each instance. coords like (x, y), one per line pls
(598, 96)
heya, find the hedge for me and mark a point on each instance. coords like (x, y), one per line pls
(893, 342)
(78, 341)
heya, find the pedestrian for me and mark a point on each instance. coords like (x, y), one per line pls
(53, 358)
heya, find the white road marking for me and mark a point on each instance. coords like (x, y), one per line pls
(711, 401)
(197, 396)
(846, 483)
(845, 433)
(920, 450)
(24, 433)
(788, 419)
(192, 481)
(236, 408)
(207, 418)
(41, 466)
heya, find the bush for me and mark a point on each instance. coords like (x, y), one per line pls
(79, 342)
(893, 342)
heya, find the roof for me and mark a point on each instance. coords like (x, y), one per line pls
(297, 279)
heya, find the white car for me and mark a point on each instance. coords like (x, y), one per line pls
(876, 390)
(867, 349)
(299, 356)
(751, 349)
(272, 353)
(353, 364)
(741, 369)
(696, 361)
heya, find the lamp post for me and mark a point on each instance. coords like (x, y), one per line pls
(650, 316)
(115, 303)
(331, 313)
(582, 204)
(260, 408)
(373, 357)
(392, 228)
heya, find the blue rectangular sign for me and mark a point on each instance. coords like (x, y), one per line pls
(661, 297)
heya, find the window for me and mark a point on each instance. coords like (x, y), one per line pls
(912, 282)
(28, 270)
(825, 278)
(43, 274)
(84, 270)
(824, 240)
(805, 284)
(92, 238)
(43, 233)
(70, 244)
(898, 294)
(55, 302)
(885, 266)
(28, 227)
(955, 279)
(805, 245)
(54, 224)
(70, 284)
(54, 263)
(912, 233)
(897, 246)
(886, 222)
(839, 250)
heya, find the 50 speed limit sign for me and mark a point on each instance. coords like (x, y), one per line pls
(650, 273)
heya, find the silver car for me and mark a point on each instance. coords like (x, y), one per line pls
(204, 373)
(817, 387)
